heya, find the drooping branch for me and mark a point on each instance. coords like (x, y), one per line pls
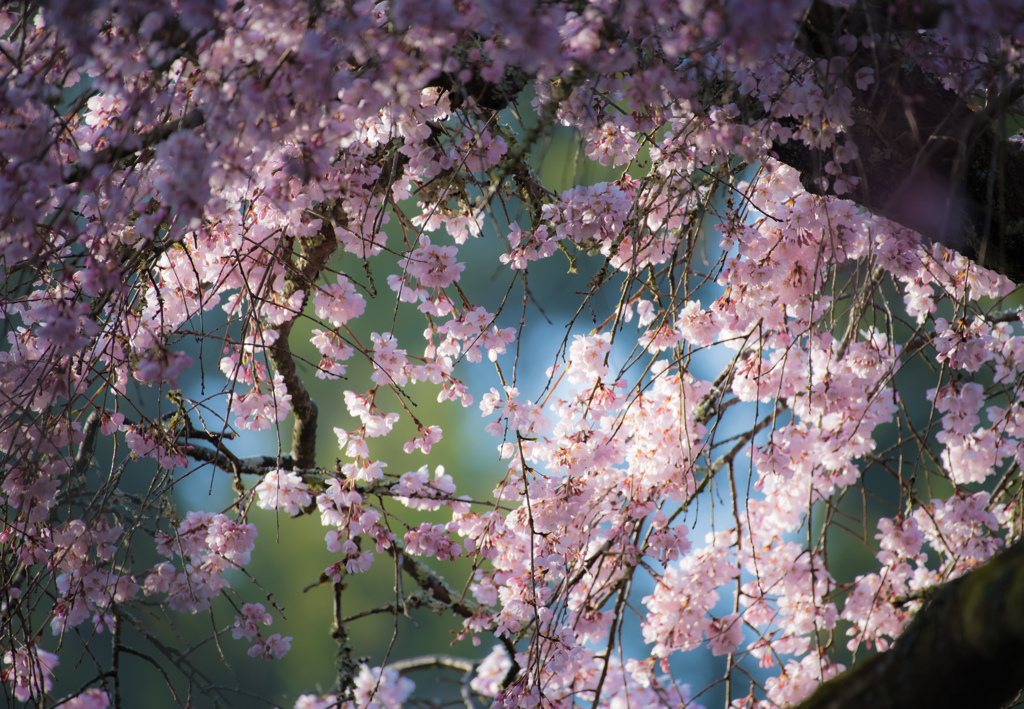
(964, 648)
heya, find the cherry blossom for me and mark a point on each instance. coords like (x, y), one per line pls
(283, 490)
(224, 219)
(89, 699)
(29, 671)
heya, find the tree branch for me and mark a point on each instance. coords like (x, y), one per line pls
(926, 159)
(426, 579)
(311, 258)
(964, 648)
(228, 462)
(87, 449)
(448, 662)
(116, 153)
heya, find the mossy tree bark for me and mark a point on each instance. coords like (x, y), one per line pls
(965, 648)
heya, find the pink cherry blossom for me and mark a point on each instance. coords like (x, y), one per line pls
(283, 490)
(247, 624)
(433, 266)
(89, 699)
(275, 647)
(706, 290)
(29, 670)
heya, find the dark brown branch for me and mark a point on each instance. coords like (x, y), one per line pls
(312, 256)
(228, 462)
(964, 648)
(426, 579)
(345, 665)
(116, 153)
(436, 586)
(485, 94)
(427, 662)
(927, 159)
(87, 449)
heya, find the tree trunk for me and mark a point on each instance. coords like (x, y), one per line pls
(965, 648)
(926, 158)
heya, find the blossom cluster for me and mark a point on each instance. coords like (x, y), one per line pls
(208, 545)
